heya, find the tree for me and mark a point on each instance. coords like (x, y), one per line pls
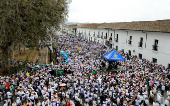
(26, 21)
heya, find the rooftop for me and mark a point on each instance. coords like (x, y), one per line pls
(159, 25)
(91, 25)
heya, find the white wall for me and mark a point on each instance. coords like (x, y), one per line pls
(162, 55)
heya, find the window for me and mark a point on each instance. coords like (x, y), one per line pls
(111, 34)
(116, 47)
(123, 50)
(155, 46)
(154, 60)
(141, 42)
(130, 40)
(94, 34)
(116, 39)
(102, 35)
(106, 36)
(168, 66)
(110, 45)
(129, 52)
(140, 56)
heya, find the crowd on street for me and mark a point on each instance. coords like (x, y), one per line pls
(86, 82)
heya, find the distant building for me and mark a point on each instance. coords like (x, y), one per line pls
(70, 29)
(145, 39)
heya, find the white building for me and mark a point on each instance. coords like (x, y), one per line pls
(70, 29)
(146, 39)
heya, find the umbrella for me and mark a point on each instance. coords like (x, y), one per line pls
(63, 84)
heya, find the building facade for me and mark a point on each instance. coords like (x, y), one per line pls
(145, 39)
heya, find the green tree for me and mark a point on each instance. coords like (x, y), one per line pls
(26, 21)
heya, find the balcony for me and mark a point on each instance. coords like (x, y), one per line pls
(140, 44)
(129, 42)
(116, 40)
(105, 37)
(98, 36)
(107, 43)
(155, 47)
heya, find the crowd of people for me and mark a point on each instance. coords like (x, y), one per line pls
(140, 83)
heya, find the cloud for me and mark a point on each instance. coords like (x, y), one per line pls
(98, 11)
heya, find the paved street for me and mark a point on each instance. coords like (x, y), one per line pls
(43, 58)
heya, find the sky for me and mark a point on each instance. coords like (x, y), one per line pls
(100, 11)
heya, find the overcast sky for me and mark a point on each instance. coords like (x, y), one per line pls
(99, 11)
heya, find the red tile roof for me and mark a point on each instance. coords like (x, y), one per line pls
(91, 25)
(160, 25)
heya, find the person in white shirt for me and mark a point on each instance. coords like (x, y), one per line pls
(167, 102)
(14, 103)
(137, 101)
(9, 101)
(147, 101)
(118, 100)
(43, 103)
(18, 101)
(6, 103)
(72, 102)
(23, 98)
(9, 94)
(27, 95)
(163, 89)
(38, 103)
(32, 98)
(104, 103)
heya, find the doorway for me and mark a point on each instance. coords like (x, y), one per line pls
(116, 47)
(140, 56)
(129, 52)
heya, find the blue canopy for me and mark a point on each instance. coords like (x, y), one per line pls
(113, 56)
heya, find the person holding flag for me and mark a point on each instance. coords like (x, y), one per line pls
(26, 75)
